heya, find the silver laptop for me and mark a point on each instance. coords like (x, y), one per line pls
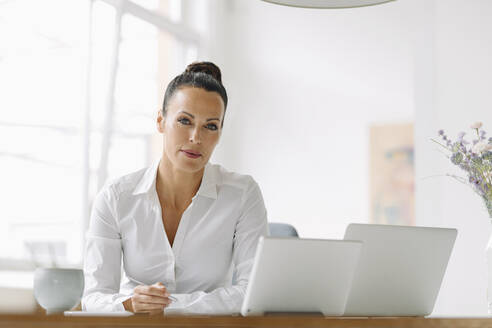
(400, 269)
(301, 275)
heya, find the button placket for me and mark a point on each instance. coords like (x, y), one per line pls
(181, 232)
(169, 274)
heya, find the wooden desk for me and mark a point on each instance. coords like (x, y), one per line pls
(44, 321)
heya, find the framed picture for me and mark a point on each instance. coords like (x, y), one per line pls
(392, 177)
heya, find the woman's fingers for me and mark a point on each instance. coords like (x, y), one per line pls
(150, 299)
(156, 312)
(148, 308)
(139, 307)
(142, 298)
(154, 290)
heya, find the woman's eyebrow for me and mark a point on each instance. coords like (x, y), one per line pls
(209, 119)
(187, 113)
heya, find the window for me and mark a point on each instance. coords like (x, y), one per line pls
(79, 109)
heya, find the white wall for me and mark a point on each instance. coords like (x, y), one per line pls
(304, 85)
(461, 70)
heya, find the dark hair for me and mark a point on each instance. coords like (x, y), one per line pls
(204, 75)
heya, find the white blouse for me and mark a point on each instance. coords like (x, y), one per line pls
(217, 235)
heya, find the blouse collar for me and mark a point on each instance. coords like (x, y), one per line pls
(208, 186)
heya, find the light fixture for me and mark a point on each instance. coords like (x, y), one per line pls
(328, 4)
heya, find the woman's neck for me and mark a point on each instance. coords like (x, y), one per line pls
(176, 187)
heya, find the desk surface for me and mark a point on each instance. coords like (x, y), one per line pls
(42, 320)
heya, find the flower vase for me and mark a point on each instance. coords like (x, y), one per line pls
(488, 252)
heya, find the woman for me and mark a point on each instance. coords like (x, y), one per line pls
(182, 226)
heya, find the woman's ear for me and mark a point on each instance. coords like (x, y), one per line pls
(160, 121)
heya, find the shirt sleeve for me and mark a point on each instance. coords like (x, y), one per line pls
(102, 258)
(252, 224)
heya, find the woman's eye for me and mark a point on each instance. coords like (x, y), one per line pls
(184, 121)
(212, 126)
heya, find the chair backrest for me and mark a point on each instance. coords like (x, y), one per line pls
(282, 230)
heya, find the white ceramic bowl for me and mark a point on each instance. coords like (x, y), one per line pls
(58, 290)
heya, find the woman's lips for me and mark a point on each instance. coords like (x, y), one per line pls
(191, 154)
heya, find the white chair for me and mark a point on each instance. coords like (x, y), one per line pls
(282, 230)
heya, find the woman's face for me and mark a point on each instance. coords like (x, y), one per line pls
(191, 127)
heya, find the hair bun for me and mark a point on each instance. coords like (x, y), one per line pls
(205, 67)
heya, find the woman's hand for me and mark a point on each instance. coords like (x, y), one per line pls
(148, 299)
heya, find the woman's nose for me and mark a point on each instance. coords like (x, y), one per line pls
(195, 136)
